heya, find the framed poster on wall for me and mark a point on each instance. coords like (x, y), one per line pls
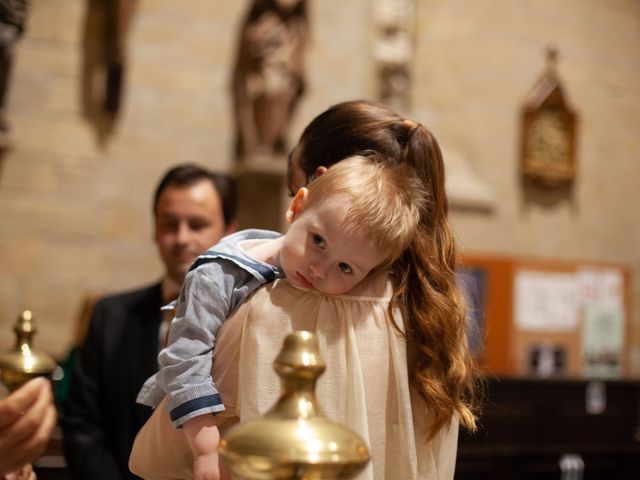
(547, 317)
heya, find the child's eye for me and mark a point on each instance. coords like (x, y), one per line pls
(344, 267)
(318, 240)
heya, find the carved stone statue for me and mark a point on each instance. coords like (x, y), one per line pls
(393, 51)
(104, 62)
(13, 15)
(268, 79)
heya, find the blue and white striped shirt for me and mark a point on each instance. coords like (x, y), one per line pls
(217, 283)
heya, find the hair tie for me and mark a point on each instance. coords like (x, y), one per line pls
(408, 127)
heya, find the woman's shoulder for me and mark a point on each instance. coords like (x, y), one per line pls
(377, 287)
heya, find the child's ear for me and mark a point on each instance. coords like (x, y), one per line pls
(320, 171)
(297, 204)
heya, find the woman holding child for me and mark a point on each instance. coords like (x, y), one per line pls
(399, 370)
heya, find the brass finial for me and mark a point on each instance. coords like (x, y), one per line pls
(21, 364)
(294, 440)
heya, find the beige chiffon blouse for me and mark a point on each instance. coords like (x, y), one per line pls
(364, 386)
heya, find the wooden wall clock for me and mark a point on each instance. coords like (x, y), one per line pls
(548, 148)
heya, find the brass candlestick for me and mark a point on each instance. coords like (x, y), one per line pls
(294, 440)
(23, 363)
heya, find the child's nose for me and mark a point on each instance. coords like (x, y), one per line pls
(317, 269)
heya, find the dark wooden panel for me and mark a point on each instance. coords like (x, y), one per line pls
(529, 424)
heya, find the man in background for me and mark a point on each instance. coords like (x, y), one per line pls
(193, 208)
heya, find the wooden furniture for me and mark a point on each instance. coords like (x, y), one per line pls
(529, 424)
(52, 464)
(526, 427)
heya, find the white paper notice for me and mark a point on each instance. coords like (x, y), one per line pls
(603, 287)
(603, 330)
(546, 301)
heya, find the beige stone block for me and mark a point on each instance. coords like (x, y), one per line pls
(196, 8)
(52, 93)
(69, 260)
(46, 58)
(100, 273)
(29, 173)
(39, 218)
(150, 37)
(209, 27)
(26, 172)
(20, 255)
(169, 79)
(56, 20)
(166, 142)
(193, 109)
(122, 224)
(57, 134)
(75, 181)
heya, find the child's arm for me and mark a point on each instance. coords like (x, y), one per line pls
(203, 437)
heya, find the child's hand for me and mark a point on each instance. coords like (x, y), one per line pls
(203, 437)
(205, 467)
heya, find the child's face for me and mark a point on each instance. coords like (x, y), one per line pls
(318, 253)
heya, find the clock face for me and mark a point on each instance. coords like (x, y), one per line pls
(548, 140)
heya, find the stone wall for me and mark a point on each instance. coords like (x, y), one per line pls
(476, 62)
(75, 215)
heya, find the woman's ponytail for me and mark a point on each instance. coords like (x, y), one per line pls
(441, 367)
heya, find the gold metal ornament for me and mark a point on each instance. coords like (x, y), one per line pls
(23, 363)
(294, 440)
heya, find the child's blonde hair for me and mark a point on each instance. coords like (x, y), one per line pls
(387, 200)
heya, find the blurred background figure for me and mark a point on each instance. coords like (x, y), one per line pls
(13, 15)
(269, 75)
(193, 208)
(106, 29)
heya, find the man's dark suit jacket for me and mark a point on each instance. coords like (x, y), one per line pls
(100, 417)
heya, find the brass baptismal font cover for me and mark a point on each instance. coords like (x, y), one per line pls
(23, 363)
(294, 440)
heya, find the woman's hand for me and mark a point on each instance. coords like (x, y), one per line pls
(27, 417)
(25, 473)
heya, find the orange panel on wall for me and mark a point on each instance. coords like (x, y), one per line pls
(551, 318)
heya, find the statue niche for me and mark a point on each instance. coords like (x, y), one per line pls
(268, 78)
